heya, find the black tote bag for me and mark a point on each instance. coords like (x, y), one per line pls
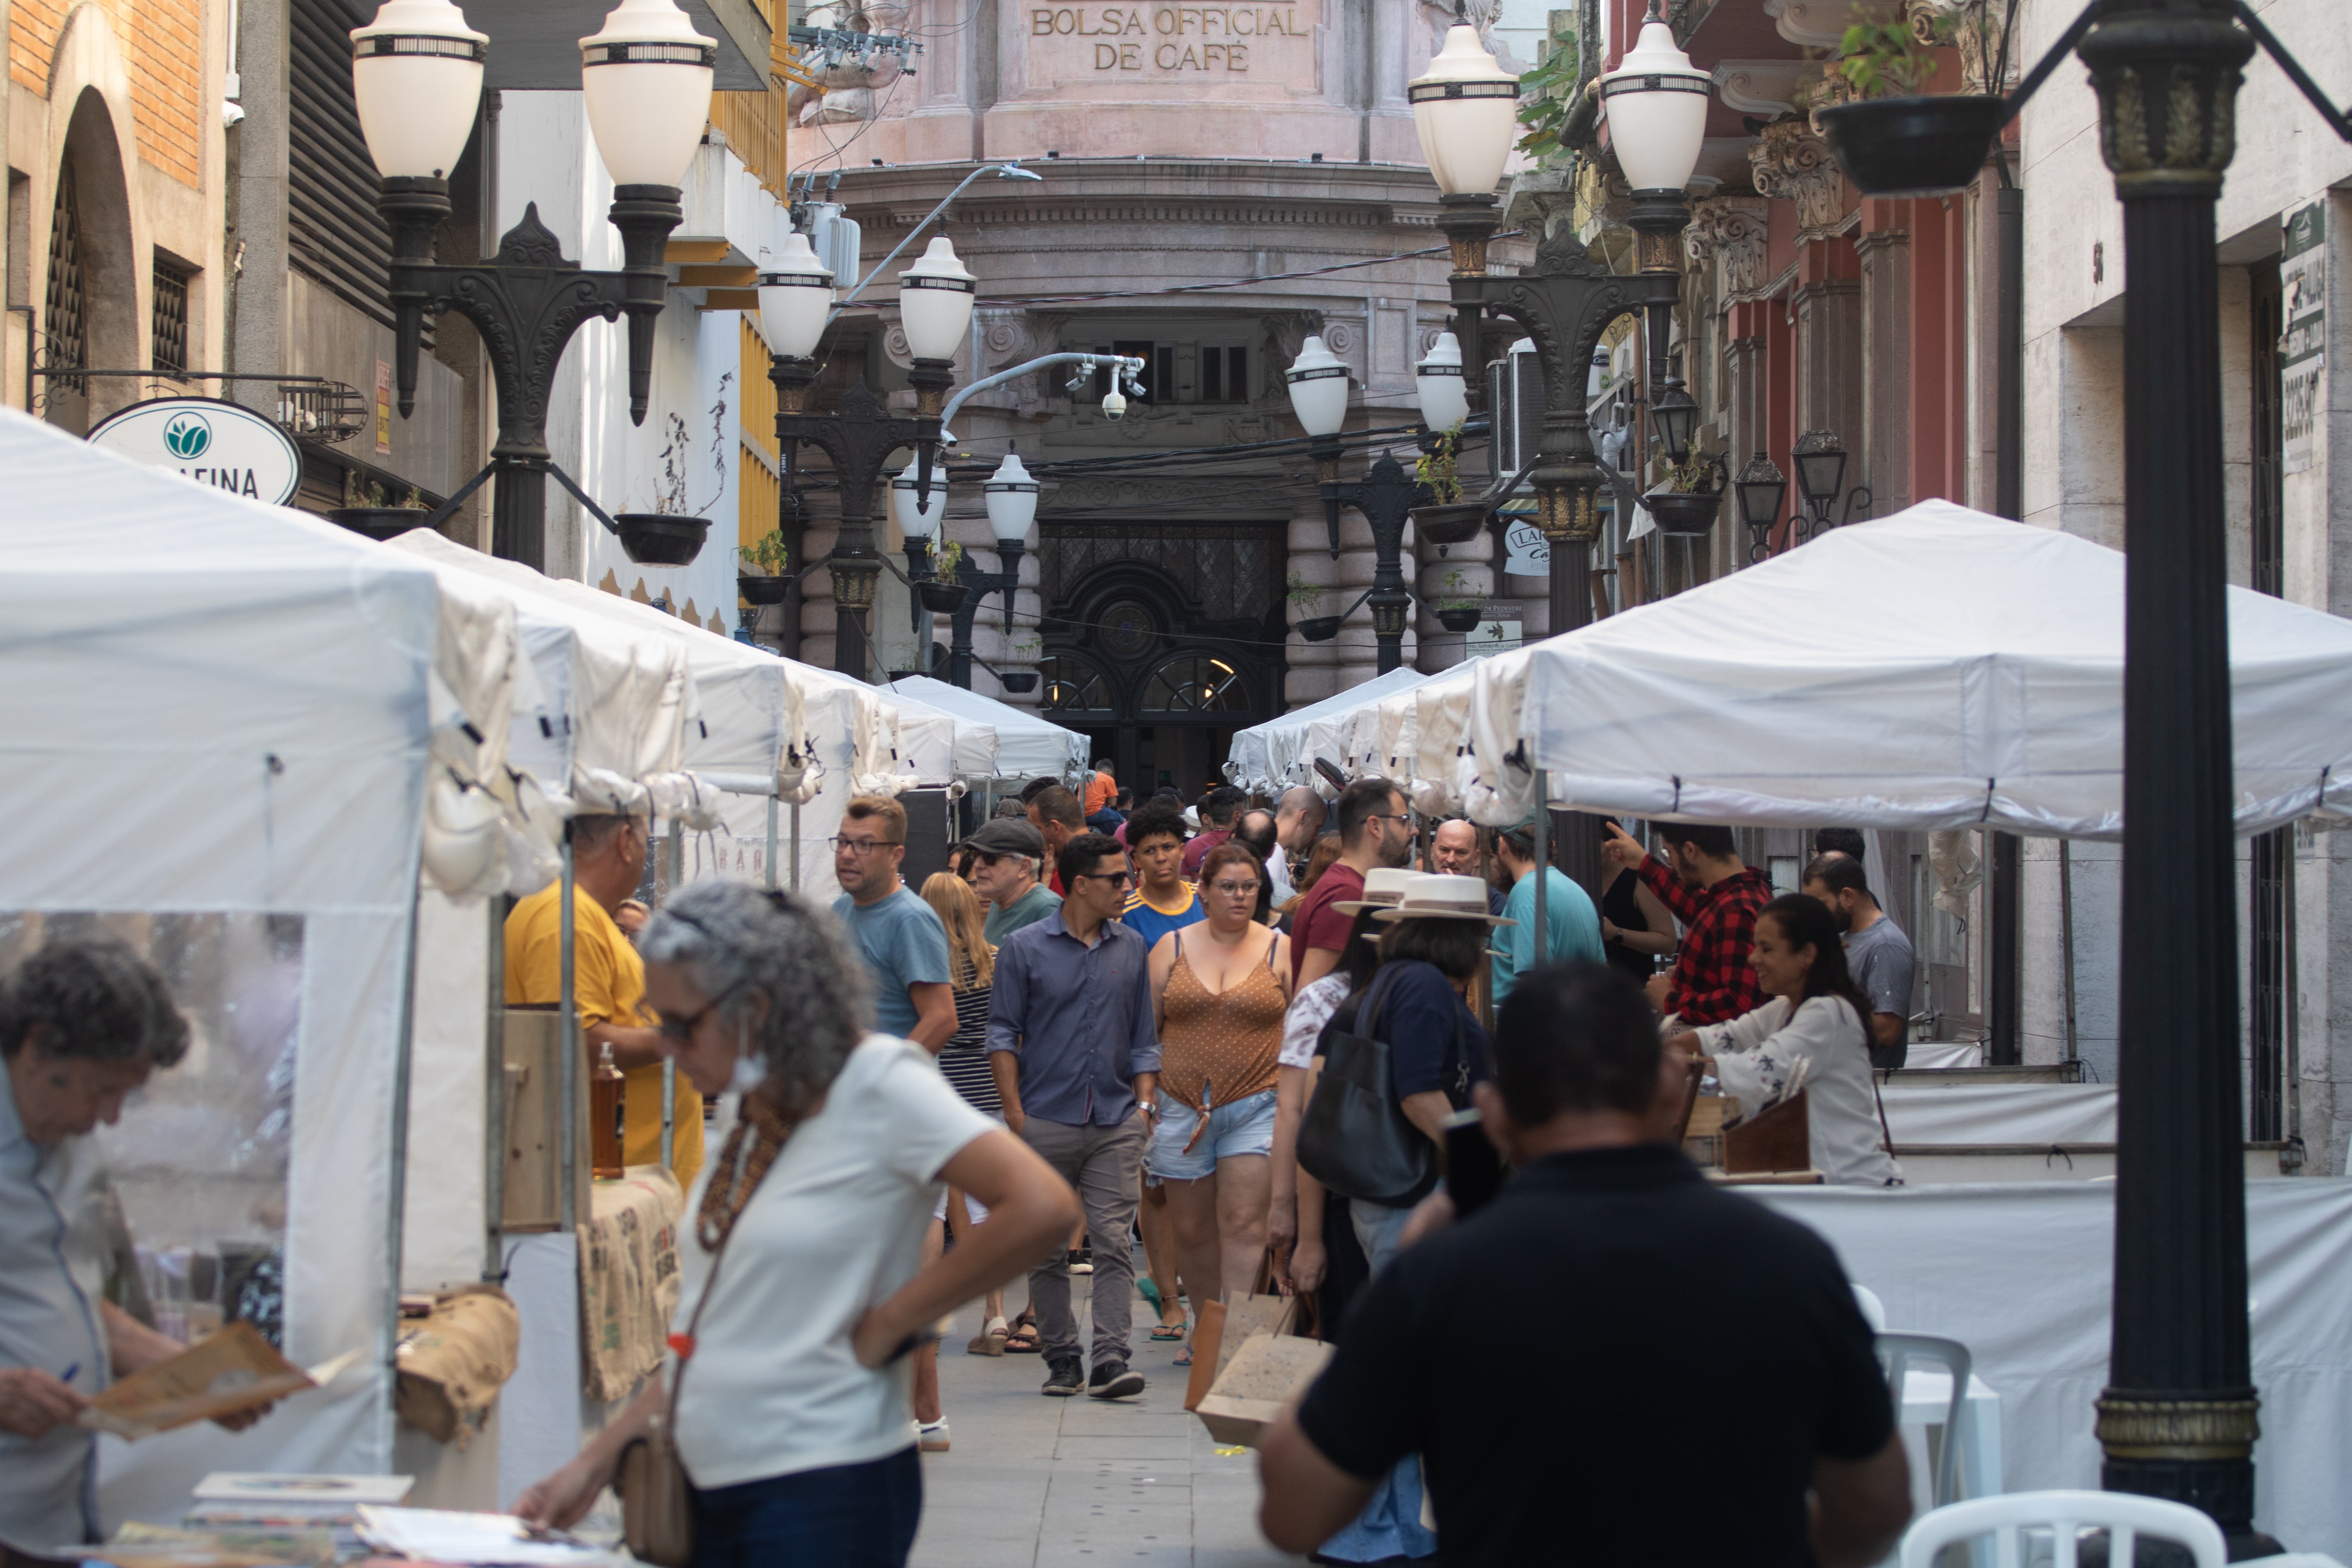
(1354, 1138)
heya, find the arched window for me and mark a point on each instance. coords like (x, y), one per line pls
(1073, 686)
(1195, 683)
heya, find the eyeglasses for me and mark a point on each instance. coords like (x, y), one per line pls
(1116, 879)
(1236, 889)
(1387, 817)
(860, 848)
(681, 1031)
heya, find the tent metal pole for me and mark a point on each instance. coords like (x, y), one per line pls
(493, 1101)
(396, 1208)
(772, 841)
(2066, 937)
(2293, 1012)
(567, 1142)
(1543, 862)
(665, 890)
(796, 846)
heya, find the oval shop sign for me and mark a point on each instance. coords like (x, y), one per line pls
(224, 445)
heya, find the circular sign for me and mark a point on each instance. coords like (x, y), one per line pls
(224, 445)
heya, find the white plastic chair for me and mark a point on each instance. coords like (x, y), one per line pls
(1895, 1354)
(2123, 1516)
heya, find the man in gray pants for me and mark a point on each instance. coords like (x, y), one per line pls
(1076, 1058)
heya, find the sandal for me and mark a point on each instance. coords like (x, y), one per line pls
(990, 1341)
(1023, 1340)
(1149, 1292)
(1184, 1356)
(1167, 1331)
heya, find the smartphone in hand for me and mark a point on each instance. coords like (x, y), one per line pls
(1474, 1166)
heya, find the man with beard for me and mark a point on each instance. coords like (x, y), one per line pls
(1877, 952)
(1375, 829)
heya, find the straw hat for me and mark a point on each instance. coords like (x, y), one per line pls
(1429, 896)
(1383, 886)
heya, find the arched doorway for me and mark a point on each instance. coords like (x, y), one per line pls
(90, 302)
(1134, 657)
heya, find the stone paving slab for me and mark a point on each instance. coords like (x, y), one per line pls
(1032, 1482)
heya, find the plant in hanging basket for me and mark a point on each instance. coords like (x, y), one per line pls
(1018, 681)
(1319, 628)
(766, 584)
(1894, 140)
(1449, 522)
(1684, 512)
(661, 539)
(1460, 615)
(941, 597)
(379, 522)
(753, 588)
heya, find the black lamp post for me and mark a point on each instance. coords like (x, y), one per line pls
(1820, 457)
(1012, 508)
(416, 75)
(1759, 486)
(934, 300)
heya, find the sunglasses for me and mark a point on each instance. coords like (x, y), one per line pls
(681, 1031)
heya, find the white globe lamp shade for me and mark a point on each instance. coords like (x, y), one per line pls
(1656, 104)
(1466, 108)
(919, 522)
(796, 299)
(1012, 500)
(1444, 396)
(647, 76)
(1317, 380)
(935, 296)
(416, 72)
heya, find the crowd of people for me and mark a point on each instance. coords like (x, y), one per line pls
(1236, 1037)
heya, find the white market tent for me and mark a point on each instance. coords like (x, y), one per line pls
(1280, 753)
(1940, 668)
(1026, 745)
(216, 706)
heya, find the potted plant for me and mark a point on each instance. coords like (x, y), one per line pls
(672, 533)
(1686, 504)
(1460, 613)
(1445, 519)
(940, 592)
(1020, 682)
(1894, 139)
(767, 585)
(374, 518)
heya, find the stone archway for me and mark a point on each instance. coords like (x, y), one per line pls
(90, 317)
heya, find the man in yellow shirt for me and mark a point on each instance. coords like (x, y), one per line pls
(608, 858)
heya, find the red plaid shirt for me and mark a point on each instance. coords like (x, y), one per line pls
(1712, 984)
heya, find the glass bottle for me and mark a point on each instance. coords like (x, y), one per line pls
(605, 1115)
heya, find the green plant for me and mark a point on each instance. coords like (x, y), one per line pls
(1881, 56)
(1459, 581)
(1303, 594)
(767, 553)
(1543, 96)
(946, 556)
(1437, 469)
(1025, 648)
(1689, 476)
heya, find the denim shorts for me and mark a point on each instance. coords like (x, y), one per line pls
(1245, 1127)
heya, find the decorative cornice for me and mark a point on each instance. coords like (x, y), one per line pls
(1974, 34)
(1735, 230)
(1816, 23)
(1790, 163)
(1139, 495)
(1761, 87)
(1209, 211)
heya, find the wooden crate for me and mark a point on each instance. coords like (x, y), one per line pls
(1778, 1139)
(534, 1144)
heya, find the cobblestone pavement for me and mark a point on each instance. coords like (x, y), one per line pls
(1032, 1482)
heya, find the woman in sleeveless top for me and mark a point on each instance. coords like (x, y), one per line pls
(1221, 988)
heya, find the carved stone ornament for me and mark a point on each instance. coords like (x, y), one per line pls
(1735, 231)
(1790, 163)
(1011, 337)
(1974, 30)
(1289, 330)
(2179, 1428)
(895, 348)
(1815, 24)
(2169, 125)
(1761, 87)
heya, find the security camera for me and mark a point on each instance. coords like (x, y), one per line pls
(1114, 405)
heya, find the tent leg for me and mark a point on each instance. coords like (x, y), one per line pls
(396, 1214)
(772, 842)
(796, 846)
(677, 856)
(494, 1103)
(1543, 863)
(2066, 936)
(567, 1142)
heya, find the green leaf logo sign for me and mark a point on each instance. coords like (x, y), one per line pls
(187, 437)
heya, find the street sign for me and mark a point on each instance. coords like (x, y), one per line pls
(224, 445)
(1526, 552)
(2302, 341)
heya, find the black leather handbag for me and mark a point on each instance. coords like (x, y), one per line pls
(1355, 1138)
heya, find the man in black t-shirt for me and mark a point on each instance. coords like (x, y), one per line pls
(1612, 1362)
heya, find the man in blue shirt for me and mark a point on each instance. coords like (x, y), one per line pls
(903, 944)
(1077, 1057)
(1572, 924)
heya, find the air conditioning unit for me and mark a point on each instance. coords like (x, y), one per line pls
(835, 237)
(1515, 395)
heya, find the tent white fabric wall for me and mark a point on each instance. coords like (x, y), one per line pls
(216, 705)
(1026, 745)
(1940, 668)
(1278, 754)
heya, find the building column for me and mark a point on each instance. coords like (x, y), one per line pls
(1883, 444)
(1313, 579)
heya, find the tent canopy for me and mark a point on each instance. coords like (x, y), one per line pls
(1940, 669)
(1281, 752)
(1026, 745)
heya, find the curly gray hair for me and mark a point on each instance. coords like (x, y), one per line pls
(732, 939)
(95, 999)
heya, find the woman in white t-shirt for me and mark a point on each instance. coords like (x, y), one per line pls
(806, 1234)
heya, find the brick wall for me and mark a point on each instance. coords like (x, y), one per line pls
(163, 42)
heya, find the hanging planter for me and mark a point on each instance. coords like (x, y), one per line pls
(757, 588)
(1319, 628)
(1926, 145)
(379, 522)
(662, 539)
(1685, 512)
(1460, 617)
(1018, 681)
(1450, 522)
(942, 599)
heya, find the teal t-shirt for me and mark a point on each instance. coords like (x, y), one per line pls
(1026, 911)
(1571, 930)
(903, 944)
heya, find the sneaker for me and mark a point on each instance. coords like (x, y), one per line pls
(931, 1436)
(1082, 1261)
(1112, 1380)
(1063, 1377)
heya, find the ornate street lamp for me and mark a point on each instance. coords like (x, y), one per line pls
(1012, 497)
(1759, 486)
(935, 301)
(416, 74)
(1820, 457)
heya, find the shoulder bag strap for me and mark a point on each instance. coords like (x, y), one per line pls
(709, 1283)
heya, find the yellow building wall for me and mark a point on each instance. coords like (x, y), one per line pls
(163, 45)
